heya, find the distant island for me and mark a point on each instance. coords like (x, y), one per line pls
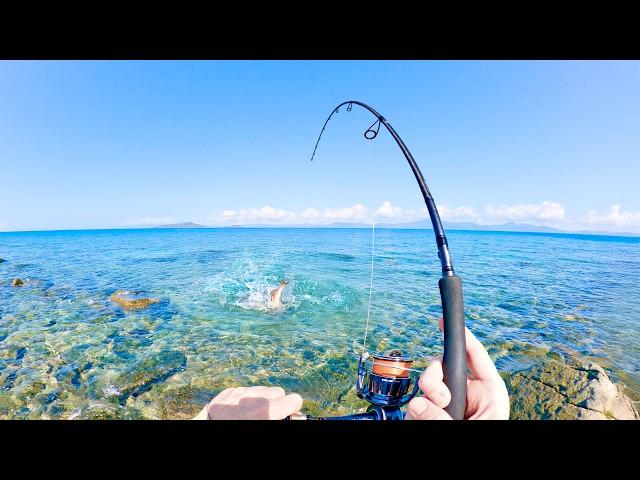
(418, 225)
(183, 225)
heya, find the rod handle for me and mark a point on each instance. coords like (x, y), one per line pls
(455, 349)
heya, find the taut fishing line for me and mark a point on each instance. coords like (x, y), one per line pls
(373, 249)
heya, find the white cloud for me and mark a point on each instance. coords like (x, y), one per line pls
(354, 213)
(266, 214)
(459, 214)
(547, 211)
(253, 215)
(389, 211)
(615, 217)
(150, 221)
(357, 212)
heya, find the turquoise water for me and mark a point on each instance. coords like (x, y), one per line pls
(67, 351)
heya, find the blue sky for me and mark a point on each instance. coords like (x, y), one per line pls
(129, 144)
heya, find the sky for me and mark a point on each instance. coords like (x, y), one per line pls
(105, 144)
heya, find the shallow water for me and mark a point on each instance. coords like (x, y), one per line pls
(67, 351)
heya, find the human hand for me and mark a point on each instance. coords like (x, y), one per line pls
(251, 403)
(487, 397)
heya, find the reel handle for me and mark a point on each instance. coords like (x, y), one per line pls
(454, 361)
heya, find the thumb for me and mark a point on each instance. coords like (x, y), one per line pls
(420, 408)
(284, 406)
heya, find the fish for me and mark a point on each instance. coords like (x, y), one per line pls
(275, 296)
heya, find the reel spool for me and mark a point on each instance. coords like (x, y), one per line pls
(386, 383)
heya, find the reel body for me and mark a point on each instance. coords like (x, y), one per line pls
(387, 383)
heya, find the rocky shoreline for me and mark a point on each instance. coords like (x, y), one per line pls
(570, 390)
(560, 385)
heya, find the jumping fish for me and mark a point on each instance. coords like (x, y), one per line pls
(275, 296)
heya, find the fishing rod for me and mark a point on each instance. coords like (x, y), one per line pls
(386, 381)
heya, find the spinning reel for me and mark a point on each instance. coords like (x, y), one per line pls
(386, 384)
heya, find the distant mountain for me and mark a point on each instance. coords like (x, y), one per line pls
(300, 225)
(505, 227)
(417, 225)
(183, 225)
(348, 225)
(426, 224)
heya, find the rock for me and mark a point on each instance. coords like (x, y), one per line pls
(573, 390)
(9, 404)
(100, 411)
(127, 301)
(16, 282)
(146, 373)
(32, 389)
(184, 403)
(2, 259)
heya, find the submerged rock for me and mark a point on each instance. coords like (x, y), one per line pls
(184, 403)
(9, 404)
(101, 411)
(129, 302)
(17, 282)
(574, 390)
(146, 373)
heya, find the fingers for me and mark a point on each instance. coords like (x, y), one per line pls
(420, 408)
(478, 360)
(274, 392)
(264, 392)
(432, 384)
(282, 407)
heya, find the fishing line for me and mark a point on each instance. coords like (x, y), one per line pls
(373, 248)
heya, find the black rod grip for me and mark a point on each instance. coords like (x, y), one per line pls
(455, 349)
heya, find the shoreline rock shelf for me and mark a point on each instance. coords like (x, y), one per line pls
(556, 390)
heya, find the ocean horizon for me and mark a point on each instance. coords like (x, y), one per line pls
(68, 351)
(332, 227)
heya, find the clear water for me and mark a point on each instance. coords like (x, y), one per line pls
(67, 351)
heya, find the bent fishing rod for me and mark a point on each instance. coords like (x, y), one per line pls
(385, 385)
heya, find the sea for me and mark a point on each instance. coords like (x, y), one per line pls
(68, 351)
